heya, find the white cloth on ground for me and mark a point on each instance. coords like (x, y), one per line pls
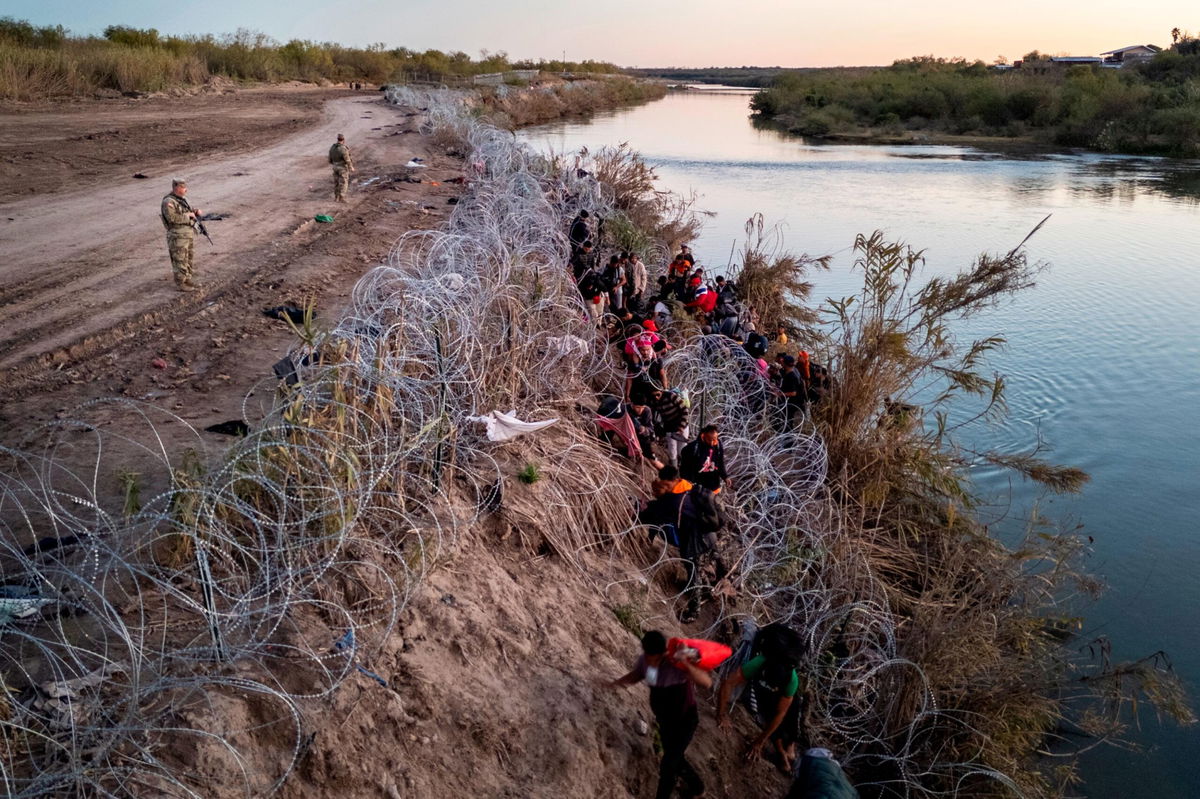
(504, 426)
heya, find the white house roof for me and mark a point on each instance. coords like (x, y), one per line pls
(1152, 47)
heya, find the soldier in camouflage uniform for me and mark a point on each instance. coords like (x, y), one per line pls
(343, 165)
(178, 218)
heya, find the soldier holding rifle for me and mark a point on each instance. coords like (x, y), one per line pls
(181, 221)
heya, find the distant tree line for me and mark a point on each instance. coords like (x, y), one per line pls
(48, 61)
(1147, 107)
(750, 77)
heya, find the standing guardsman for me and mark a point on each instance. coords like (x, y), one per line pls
(179, 218)
(343, 165)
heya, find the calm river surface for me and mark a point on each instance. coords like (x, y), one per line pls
(1102, 359)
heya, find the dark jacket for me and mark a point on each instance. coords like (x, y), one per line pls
(579, 232)
(703, 465)
(694, 515)
(793, 383)
(580, 263)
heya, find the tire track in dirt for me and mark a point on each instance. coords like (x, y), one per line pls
(117, 276)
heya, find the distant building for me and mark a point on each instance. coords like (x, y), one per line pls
(1132, 54)
(1068, 60)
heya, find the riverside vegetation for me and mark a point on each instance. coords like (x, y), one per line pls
(46, 62)
(1151, 108)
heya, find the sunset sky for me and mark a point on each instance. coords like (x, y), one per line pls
(661, 32)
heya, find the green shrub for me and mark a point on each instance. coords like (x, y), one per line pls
(812, 123)
(1083, 106)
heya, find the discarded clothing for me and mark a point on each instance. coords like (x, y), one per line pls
(63, 702)
(234, 427)
(820, 777)
(287, 311)
(505, 426)
(568, 345)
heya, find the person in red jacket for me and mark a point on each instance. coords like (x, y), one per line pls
(703, 299)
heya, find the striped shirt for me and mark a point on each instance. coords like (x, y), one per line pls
(672, 415)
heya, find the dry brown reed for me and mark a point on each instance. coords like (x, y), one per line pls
(980, 626)
(509, 107)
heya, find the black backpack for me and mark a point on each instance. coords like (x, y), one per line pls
(590, 285)
(756, 345)
(703, 510)
(608, 279)
(781, 644)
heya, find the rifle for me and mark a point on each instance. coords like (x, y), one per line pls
(199, 225)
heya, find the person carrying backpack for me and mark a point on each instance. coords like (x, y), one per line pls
(727, 300)
(703, 460)
(591, 287)
(688, 520)
(774, 692)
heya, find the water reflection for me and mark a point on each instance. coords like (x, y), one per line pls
(1106, 177)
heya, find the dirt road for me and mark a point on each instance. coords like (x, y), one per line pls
(87, 304)
(75, 265)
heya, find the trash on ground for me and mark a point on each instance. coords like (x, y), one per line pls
(504, 426)
(452, 281)
(159, 363)
(62, 703)
(347, 644)
(287, 311)
(233, 427)
(323, 218)
(140, 176)
(285, 370)
(568, 345)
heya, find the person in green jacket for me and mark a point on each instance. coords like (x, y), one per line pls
(773, 687)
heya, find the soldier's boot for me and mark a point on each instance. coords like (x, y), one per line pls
(183, 280)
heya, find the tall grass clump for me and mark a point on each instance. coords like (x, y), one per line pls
(939, 662)
(42, 62)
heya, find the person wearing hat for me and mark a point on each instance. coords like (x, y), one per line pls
(179, 218)
(343, 165)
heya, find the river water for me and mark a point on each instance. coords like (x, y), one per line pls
(1102, 357)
